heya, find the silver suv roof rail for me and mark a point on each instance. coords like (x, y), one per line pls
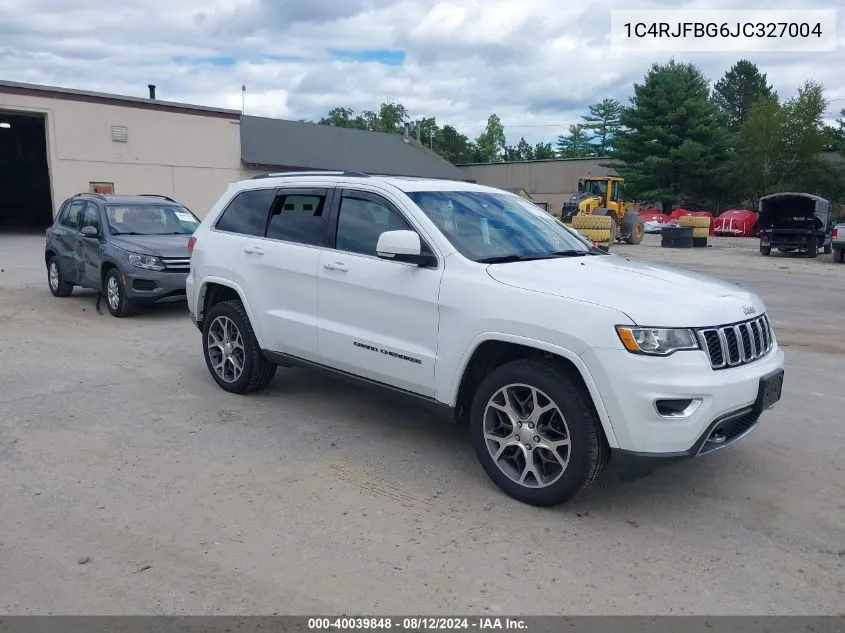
(291, 174)
(155, 195)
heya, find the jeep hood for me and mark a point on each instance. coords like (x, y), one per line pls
(155, 245)
(650, 294)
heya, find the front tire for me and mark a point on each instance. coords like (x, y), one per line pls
(118, 304)
(58, 286)
(232, 353)
(536, 434)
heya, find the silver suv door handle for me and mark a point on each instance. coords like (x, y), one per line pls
(253, 250)
(336, 266)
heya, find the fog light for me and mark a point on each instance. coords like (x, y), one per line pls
(677, 408)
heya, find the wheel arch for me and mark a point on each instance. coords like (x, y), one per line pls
(491, 350)
(216, 290)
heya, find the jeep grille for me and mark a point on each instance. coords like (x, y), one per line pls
(737, 343)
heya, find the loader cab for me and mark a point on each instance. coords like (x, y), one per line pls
(593, 186)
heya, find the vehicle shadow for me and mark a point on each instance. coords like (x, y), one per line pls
(164, 309)
(429, 429)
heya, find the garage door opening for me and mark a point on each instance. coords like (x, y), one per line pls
(26, 202)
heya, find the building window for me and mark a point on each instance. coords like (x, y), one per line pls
(119, 133)
(105, 188)
(543, 205)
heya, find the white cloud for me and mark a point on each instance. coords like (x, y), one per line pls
(536, 63)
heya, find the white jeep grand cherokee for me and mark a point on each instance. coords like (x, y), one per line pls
(557, 354)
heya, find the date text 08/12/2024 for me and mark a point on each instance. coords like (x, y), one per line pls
(725, 29)
(416, 623)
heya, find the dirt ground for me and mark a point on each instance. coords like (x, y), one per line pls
(131, 484)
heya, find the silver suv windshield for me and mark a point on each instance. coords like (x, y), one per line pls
(150, 219)
(491, 227)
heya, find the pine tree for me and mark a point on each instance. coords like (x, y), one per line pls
(576, 144)
(738, 90)
(673, 146)
(603, 121)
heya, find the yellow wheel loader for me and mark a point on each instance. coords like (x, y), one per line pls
(602, 196)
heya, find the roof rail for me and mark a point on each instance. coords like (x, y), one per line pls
(155, 195)
(89, 193)
(291, 174)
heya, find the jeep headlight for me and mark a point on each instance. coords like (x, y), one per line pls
(656, 341)
(146, 261)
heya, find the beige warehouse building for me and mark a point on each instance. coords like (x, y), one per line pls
(57, 142)
(547, 182)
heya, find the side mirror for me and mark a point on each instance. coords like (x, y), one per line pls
(89, 231)
(402, 246)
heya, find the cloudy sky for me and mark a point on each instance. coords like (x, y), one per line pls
(536, 63)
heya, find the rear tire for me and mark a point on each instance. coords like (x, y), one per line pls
(828, 249)
(232, 353)
(839, 255)
(562, 453)
(58, 286)
(766, 250)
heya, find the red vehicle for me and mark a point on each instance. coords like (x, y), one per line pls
(736, 223)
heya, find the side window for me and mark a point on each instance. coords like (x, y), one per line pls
(91, 217)
(614, 194)
(298, 218)
(360, 222)
(71, 217)
(247, 212)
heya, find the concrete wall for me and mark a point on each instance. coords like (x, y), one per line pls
(547, 181)
(189, 157)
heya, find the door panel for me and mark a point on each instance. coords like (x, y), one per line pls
(67, 233)
(377, 318)
(89, 250)
(281, 270)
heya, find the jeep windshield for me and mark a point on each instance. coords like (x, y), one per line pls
(499, 228)
(151, 219)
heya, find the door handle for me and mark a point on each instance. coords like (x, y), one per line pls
(253, 250)
(336, 266)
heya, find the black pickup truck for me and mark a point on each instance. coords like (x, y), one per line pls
(794, 222)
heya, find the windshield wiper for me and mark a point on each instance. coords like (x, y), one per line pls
(126, 233)
(504, 259)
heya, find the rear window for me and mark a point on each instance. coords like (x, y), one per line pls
(247, 213)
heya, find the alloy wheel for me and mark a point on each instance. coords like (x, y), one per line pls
(113, 293)
(226, 349)
(527, 435)
(54, 276)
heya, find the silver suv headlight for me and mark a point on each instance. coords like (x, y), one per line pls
(146, 261)
(656, 341)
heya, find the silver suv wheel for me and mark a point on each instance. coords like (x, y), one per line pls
(526, 435)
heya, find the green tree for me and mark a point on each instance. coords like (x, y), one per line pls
(544, 151)
(428, 130)
(603, 122)
(802, 135)
(781, 146)
(391, 118)
(342, 117)
(738, 90)
(672, 146)
(576, 144)
(490, 144)
(760, 168)
(454, 146)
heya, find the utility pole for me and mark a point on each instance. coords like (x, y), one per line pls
(431, 139)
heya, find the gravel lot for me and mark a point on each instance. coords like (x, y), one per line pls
(131, 484)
